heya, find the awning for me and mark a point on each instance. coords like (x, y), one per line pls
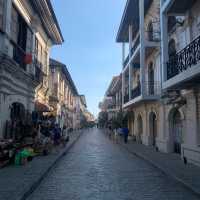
(41, 107)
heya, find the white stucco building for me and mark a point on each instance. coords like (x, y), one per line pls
(160, 74)
(112, 102)
(28, 29)
(139, 32)
(180, 25)
(64, 97)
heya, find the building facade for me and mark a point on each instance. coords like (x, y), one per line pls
(160, 74)
(28, 29)
(141, 91)
(64, 97)
(112, 102)
(180, 25)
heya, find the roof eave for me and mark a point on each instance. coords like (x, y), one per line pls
(61, 38)
(118, 38)
(56, 63)
(130, 16)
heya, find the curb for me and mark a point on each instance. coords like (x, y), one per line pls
(34, 186)
(163, 170)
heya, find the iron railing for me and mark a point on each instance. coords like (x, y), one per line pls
(185, 59)
(153, 88)
(39, 74)
(126, 98)
(136, 92)
(136, 44)
(19, 55)
(126, 61)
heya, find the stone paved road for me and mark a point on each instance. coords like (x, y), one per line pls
(97, 169)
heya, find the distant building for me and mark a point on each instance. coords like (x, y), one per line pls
(64, 96)
(112, 102)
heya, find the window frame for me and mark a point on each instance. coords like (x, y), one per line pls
(2, 2)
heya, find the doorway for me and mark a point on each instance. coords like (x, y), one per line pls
(153, 128)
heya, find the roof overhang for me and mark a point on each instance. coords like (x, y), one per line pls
(112, 84)
(130, 17)
(180, 6)
(48, 18)
(55, 63)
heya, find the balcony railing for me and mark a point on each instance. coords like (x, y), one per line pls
(136, 44)
(135, 66)
(185, 59)
(153, 36)
(112, 106)
(136, 92)
(126, 61)
(19, 55)
(153, 88)
(126, 98)
(39, 74)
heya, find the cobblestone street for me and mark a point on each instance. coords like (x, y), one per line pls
(97, 169)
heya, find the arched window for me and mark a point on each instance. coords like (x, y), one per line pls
(153, 128)
(151, 78)
(150, 31)
(17, 111)
(176, 129)
(139, 129)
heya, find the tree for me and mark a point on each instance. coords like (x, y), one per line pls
(120, 120)
(103, 119)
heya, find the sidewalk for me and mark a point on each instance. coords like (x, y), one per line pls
(17, 182)
(170, 164)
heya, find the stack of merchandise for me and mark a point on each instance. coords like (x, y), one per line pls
(7, 152)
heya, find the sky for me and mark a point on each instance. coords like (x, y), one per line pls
(90, 51)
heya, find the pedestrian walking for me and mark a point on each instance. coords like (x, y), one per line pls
(56, 135)
(65, 136)
(110, 131)
(125, 132)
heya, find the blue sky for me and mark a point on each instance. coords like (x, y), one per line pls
(90, 52)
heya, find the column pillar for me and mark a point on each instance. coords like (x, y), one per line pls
(123, 54)
(7, 26)
(123, 73)
(191, 126)
(164, 46)
(130, 67)
(123, 87)
(142, 46)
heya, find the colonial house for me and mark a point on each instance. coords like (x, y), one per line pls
(160, 74)
(63, 97)
(82, 109)
(139, 32)
(180, 28)
(113, 98)
(28, 29)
